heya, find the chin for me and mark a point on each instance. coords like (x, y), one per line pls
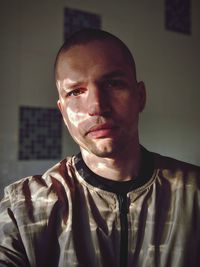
(105, 148)
(105, 152)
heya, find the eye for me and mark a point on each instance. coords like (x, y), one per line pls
(75, 92)
(114, 84)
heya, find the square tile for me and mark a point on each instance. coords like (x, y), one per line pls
(178, 15)
(75, 20)
(40, 133)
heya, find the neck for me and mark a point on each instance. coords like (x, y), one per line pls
(122, 167)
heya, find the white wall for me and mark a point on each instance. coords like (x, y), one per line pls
(169, 63)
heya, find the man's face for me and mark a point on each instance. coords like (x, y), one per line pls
(99, 97)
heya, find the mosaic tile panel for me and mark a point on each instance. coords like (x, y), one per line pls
(39, 133)
(75, 20)
(178, 15)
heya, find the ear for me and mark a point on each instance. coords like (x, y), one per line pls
(60, 108)
(59, 105)
(141, 95)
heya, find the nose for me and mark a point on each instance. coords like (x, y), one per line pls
(97, 101)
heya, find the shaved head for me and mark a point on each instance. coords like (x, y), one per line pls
(86, 36)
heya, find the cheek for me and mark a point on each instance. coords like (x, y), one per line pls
(126, 105)
(73, 115)
(127, 114)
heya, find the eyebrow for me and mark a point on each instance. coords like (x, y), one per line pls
(106, 76)
(113, 74)
(72, 85)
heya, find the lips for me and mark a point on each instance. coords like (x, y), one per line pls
(102, 130)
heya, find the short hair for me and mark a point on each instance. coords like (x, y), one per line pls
(85, 36)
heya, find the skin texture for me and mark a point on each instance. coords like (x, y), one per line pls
(100, 101)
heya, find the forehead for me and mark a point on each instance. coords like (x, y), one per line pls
(101, 55)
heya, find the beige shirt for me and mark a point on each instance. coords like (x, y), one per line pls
(59, 219)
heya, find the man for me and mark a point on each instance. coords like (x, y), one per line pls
(115, 203)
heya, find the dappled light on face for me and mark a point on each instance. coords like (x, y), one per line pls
(97, 100)
(74, 117)
(71, 113)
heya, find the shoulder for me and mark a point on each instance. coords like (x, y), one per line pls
(44, 185)
(36, 198)
(164, 162)
(177, 171)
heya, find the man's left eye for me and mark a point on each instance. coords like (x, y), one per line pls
(114, 84)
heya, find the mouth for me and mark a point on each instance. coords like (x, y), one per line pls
(102, 131)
